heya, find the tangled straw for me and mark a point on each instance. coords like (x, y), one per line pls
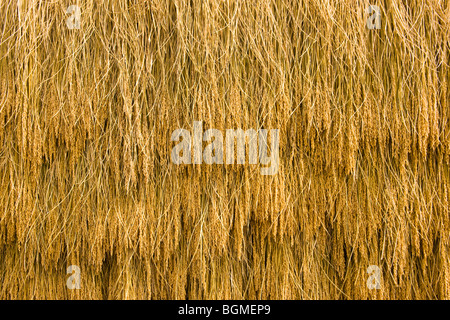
(86, 117)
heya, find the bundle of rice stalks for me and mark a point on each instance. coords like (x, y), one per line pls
(86, 116)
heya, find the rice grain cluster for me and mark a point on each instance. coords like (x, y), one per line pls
(86, 117)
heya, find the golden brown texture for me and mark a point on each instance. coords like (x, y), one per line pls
(86, 177)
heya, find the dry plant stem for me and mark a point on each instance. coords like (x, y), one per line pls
(86, 178)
